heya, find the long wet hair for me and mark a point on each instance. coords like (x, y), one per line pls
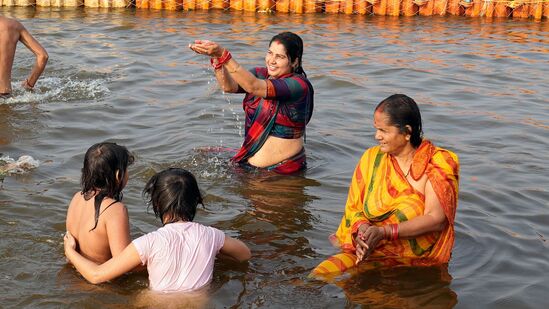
(103, 173)
(403, 111)
(173, 195)
(294, 48)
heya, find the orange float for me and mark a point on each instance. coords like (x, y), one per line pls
(520, 9)
(115, 3)
(283, 6)
(189, 5)
(502, 10)
(144, 4)
(440, 7)
(454, 8)
(409, 8)
(536, 9)
(362, 7)
(380, 7)
(296, 6)
(155, 4)
(393, 8)
(249, 5)
(472, 8)
(90, 3)
(312, 6)
(236, 5)
(173, 5)
(425, 7)
(219, 4)
(265, 5)
(203, 4)
(331, 6)
(347, 7)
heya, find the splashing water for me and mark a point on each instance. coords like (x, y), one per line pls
(59, 89)
(10, 166)
(212, 162)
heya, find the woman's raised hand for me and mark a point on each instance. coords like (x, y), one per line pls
(205, 47)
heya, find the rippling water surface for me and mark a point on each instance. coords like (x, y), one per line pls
(128, 76)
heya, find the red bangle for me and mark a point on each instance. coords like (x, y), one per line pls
(225, 57)
(394, 231)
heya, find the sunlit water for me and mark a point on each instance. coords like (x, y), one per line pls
(128, 76)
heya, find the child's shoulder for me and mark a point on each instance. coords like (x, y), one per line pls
(112, 207)
(190, 227)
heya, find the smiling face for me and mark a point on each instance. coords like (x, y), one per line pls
(277, 61)
(390, 139)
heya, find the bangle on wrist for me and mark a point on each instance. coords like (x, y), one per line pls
(394, 231)
(220, 61)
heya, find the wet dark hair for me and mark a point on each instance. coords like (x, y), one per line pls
(294, 48)
(101, 164)
(173, 192)
(403, 111)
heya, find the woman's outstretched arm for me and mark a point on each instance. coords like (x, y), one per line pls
(230, 75)
(127, 260)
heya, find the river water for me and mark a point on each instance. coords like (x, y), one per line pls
(127, 76)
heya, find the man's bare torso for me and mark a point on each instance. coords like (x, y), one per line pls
(10, 31)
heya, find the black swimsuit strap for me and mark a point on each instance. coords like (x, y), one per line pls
(116, 201)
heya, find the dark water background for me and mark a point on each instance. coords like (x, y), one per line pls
(127, 76)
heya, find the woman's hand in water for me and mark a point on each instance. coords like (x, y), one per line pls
(208, 48)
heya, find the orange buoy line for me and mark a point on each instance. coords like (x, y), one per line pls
(533, 9)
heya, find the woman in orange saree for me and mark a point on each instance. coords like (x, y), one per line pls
(402, 199)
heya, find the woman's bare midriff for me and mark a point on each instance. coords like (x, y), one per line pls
(276, 150)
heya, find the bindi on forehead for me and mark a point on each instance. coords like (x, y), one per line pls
(383, 121)
(277, 48)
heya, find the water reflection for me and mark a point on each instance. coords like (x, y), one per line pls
(16, 121)
(192, 300)
(403, 287)
(276, 222)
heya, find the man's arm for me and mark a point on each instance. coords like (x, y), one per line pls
(41, 57)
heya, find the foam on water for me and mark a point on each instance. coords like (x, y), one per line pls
(60, 89)
(20, 166)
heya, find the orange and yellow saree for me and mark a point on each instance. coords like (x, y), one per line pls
(380, 194)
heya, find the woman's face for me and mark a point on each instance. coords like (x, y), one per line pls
(277, 61)
(389, 137)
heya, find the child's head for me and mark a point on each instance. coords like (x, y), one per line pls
(105, 170)
(173, 194)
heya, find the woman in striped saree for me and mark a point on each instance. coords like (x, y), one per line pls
(403, 196)
(278, 102)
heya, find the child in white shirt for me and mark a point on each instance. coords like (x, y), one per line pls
(180, 255)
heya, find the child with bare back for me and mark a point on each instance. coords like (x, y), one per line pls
(180, 255)
(96, 216)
